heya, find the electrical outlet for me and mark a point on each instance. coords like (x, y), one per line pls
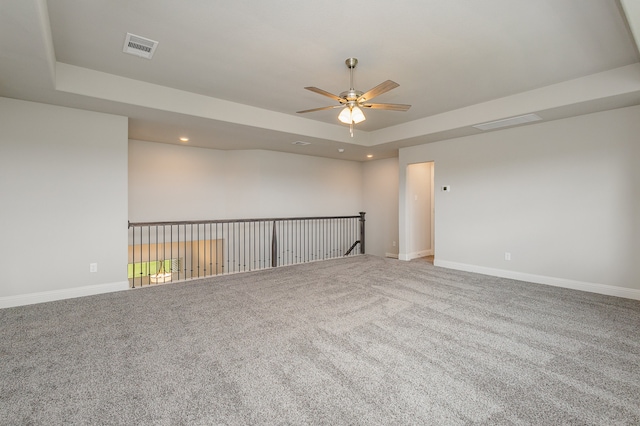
(394, 243)
(507, 255)
(93, 267)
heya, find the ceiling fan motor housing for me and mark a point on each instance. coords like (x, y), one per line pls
(351, 95)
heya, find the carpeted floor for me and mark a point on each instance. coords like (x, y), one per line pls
(360, 340)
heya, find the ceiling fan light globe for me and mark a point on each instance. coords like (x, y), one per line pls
(357, 115)
(345, 116)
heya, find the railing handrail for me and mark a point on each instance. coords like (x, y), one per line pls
(196, 222)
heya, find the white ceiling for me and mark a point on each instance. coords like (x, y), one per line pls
(231, 74)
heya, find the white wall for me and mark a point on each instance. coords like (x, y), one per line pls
(418, 211)
(63, 184)
(563, 197)
(171, 182)
(380, 191)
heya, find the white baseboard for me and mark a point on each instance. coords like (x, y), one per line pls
(67, 293)
(391, 255)
(415, 254)
(608, 290)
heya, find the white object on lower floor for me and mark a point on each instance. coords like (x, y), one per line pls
(160, 277)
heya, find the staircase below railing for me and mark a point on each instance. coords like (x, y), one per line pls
(163, 252)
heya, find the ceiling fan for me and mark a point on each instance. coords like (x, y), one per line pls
(353, 100)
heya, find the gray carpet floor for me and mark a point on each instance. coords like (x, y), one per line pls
(360, 340)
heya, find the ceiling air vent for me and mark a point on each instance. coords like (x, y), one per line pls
(513, 121)
(139, 46)
(301, 143)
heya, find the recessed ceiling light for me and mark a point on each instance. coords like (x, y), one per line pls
(369, 155)
(340, 149)
(184, 139)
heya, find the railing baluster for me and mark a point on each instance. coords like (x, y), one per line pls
(187, 256)
(228, 245)
(133, 258)
(177, 246)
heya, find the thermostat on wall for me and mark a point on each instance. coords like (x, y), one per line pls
(446, 188)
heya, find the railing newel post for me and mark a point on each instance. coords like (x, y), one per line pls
(362, 232)
(274, 246)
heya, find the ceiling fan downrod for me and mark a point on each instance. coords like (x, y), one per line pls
(351, 64)
(351, 95)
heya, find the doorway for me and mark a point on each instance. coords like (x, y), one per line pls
(420, 211)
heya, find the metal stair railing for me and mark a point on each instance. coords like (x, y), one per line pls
(163, 252)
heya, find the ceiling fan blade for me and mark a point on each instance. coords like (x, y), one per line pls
(325, 93)
(390, 107)
(320, 109)
(381, 88)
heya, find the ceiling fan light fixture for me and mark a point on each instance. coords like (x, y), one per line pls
(345, 116)
(357, 115)
(351, 115)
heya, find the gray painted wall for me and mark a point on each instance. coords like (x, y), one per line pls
(171, 182)
(563, 197)
(418, 211)
(380, 190)
(63, 183)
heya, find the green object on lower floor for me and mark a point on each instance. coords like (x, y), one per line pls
(144, 269)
